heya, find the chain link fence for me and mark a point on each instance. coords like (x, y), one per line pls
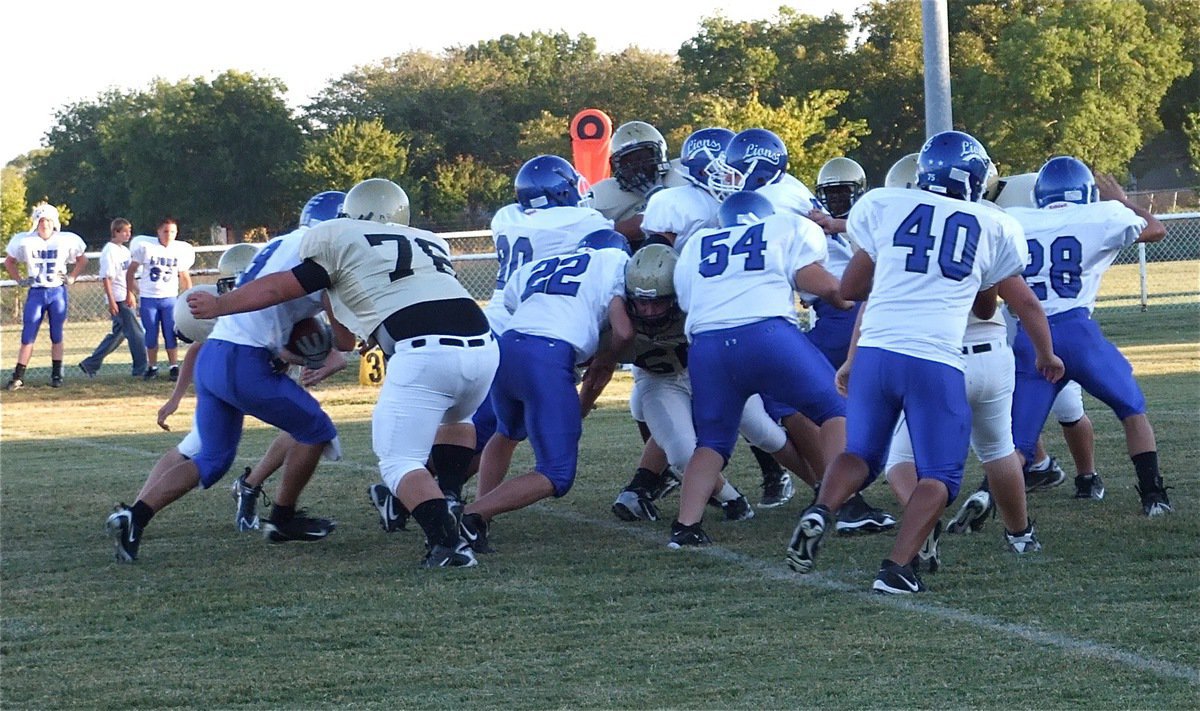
(1163, 276)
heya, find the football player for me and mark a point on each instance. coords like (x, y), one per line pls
(237, 373)
(661, 377)
(45, 251)
(989, 373)
(234, 263)
(672, 216)
(114, 259)
(735, 283)
(551, 214)
(919, 249)
(394, 285)
(840, 183)
(640, 168)
(1080, 224)
(158, 271)
(757, 159)
(559, 306)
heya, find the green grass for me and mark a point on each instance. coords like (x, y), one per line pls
(578, 609)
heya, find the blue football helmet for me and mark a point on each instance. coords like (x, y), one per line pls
(1065, 179)
(321, 207)
(754, 158)
(549, 181)
(744, 208)
(700, 152)
(605, 239)
(954, 164)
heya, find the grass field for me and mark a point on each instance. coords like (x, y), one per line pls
(579, 610)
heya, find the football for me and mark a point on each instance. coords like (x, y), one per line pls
(306, 327)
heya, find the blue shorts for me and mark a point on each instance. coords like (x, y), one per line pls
(933, 397)
(484, 420)
(770, 358)
(833, 331)
(156, 313)
(44, 301)
(233, 381)
(1090, 359)
(534, 397)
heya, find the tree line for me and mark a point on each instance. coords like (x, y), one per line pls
(1030, 78)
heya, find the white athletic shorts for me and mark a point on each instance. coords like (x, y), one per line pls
(426, 387)
(990, 378)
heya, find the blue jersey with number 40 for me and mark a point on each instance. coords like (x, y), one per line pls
(728, 277)
(1070, 248)
(932, 255)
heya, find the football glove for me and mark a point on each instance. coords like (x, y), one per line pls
(314, 348)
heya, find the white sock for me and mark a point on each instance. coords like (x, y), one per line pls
(727, 493)
(1044, 464)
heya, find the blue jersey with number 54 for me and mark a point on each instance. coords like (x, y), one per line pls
(932, 255)
(1070, 248)
(728, 277)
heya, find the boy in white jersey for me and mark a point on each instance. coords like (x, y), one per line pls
(114, 260)
(45, 251)
(925, 255)
(558, 305)
(1080, 225)
(672, 216)
(638, 158)
(394, 285)
(164, 264)
(660, 352)
(736, 285)
(237, 373)
(548, 219)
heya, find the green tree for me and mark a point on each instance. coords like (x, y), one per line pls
(1084, 78)
(811, 129)
(352, 152)
(14, 211)
(463, 193)
(219, 152)
(83, 168)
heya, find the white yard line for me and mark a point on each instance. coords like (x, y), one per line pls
(777, 571)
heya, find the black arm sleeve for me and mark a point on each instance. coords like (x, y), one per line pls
(312, 276)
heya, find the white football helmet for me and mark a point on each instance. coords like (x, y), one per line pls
(377, 200)
(44, 211)
(1015, 191)
(638, 157)
(188, 328)
(840, 183)
(232, 264)
(903, 173)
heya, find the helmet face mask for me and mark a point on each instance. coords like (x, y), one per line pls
(840, 183)
(550, 181)
(233, 263)
(1065, 179)
(700, 153)
(377, 200)
(954, 164)
(650, 297)
(638, 158)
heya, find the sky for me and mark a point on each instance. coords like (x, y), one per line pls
(76, 49)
